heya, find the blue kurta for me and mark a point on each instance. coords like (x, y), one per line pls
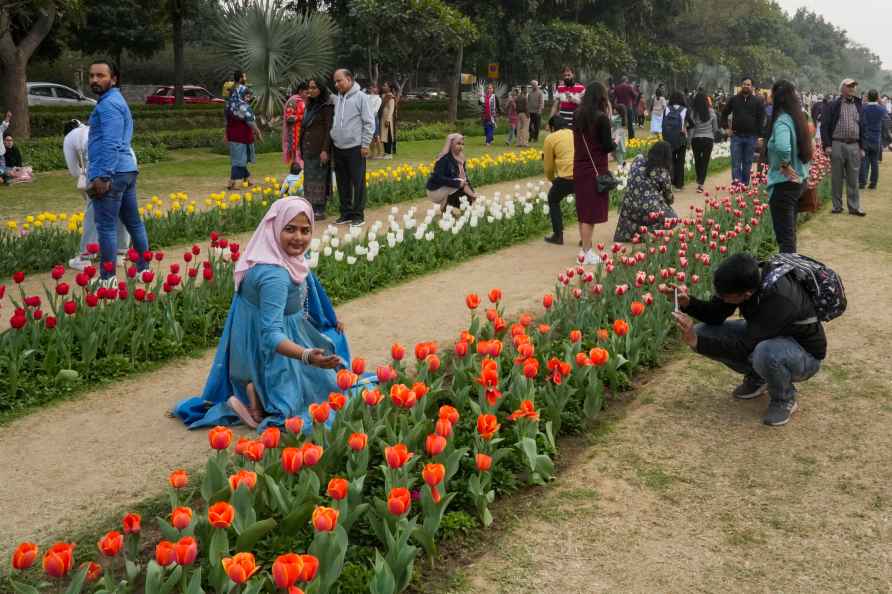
(268, 308)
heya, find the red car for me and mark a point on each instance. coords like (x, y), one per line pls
(191, 94)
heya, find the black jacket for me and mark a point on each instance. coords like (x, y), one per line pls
(445, 173)
(831, 118)
(768, 313)
(748, 113)
(13, 157)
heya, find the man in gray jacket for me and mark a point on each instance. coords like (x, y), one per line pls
(351, 134)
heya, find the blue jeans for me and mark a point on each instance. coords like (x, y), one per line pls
(742, 148)
(870, 161)
(119, 203)
(778, 361)
(91, 234)
(489, 129)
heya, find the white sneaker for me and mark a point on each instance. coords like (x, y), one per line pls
(78, 263)
(387, 157)
(591, 258)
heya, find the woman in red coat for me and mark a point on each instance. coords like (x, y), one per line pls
(593, 141)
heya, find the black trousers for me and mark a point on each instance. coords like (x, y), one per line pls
(678, 156)
(560, 189)
(784, 205)
(389, 147)
(702, 148)
(349, 167)
(535, 124)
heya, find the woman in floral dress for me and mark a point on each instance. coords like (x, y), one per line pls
(648, 196)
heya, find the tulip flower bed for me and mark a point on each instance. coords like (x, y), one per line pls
(42, 240)
(373, 478)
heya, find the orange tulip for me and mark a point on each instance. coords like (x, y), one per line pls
(603, 334)
(221, 515)
(472, 301)
(243, 477)
(495, 295)
(402, 396)
(575, 335)
(489, 374)
(492, 314)
(399, 501)
(397, 455)
(492, 396)
(433, 475)
(484, 462)
(526, 350)
(337, 488)
(242, 445)
(467, 337)
(220, 437)
(311, 568)
(435, 444)
(58, 559)
(287, 569)
(357, 441)
(385, 373)
(397, 351)
(420, 389)
(178, 479)
(443, 428)
(531, 368)
(254, 450)
(449, 413)
(527, 410)
(94, 571)
(433, 363)
(599, 356)
(548, 301)
(241, 567)
(181, 517)
(636, 308)
(132, 523)
(111, 544)
(325, 519)
(372, 397)
(461, 349)
(423, 349)
(544, 328)
(319, 412)
(24, 556)
(582, 360)
(186, 550)
(487, 426)
(270, 438)
(312, 453)
(525, 320)
(621, 327)
(337, 400)
(345, 379)
(499, 325)
(292, 460)
(165, 553)
(294, 425)
(358, 366)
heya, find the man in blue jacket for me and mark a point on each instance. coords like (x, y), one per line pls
(112, 170)
(876, 118)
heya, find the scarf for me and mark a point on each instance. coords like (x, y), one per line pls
(264, 246)
(313, 111)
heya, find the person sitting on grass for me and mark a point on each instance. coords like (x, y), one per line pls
(449, 182)
(282, 342)
(648, 195)
(778, 342)
(16, 171)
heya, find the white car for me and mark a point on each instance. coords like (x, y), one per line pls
(41, 93)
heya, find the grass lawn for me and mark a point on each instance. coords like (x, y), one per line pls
(197, 172)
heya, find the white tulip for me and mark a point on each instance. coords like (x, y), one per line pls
(326, 251)
(339, 256)
(313, 260)
(335, 242)
(351, 260)
(314, 244)
(370, 256)
(429, 236)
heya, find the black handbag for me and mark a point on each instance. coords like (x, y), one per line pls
(605, 182)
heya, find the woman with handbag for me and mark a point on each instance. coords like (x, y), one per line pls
(648, 196)
(592, 181)
(449, 182)
(789, 153)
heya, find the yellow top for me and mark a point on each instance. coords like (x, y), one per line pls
(558, 154)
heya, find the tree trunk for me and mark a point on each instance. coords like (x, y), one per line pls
(15, 66)
(455, 86)
(176, 19)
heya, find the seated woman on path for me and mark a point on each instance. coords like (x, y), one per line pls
(276, 355)
(449, 181)
(648, 196)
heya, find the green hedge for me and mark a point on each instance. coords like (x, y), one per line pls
(45, 154)
(51, 124)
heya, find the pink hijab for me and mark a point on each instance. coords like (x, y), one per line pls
(264, 247)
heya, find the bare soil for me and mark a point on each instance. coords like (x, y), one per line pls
(685, 490)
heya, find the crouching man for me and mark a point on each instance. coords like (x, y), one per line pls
(778, 342)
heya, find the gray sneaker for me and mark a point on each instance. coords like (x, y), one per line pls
(780, 412)
(752, 387)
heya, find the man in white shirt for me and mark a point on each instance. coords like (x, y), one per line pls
(75, 149)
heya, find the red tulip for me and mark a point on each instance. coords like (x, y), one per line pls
(221, 515)
(397, 455)
(62, 289)
(58, 559)
(449, 413)
(132, 523)
(337, 400)
(385, 374)
(484, 462)
(402, 396)
(311, 568)
(254, 450)
(487, 426)
(294, 425)
(94, 571)
(399, 501)
(243, 477)
(270, 437)
(461, 349)
(111, 544)
(312, 453)
(575, 335)
(358, 366)
(372, 397)
(337, 488)
(220, 437)
(357, 441)
(345, 379)
(181, 517)
(472, 301)
(320, 412)
(397, 351)
(636, 308)
(548, 301)
(620, 327)
(435, 444)
(495, 295)
(18, 321)
(50, 322)
(443, 427)
(433, 362)
(57, 272)
(186, 550)
(178, 479)
(24, 556)
(18, 277)
(325, 519)
(292, 460)
(287, 570)
(598, 356)
(165, 553)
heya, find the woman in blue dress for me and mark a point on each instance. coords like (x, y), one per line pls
(282, 342)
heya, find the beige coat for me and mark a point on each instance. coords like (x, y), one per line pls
(388, 111)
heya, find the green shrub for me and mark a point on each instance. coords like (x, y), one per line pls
(45, 154)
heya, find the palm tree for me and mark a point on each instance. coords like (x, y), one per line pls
(274, 47)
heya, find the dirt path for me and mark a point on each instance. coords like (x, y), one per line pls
(72, 463)
(686, 491)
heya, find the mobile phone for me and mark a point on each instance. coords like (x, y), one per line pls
(675, 289)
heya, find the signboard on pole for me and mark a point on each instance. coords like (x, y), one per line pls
(468, 79)
(493, 71)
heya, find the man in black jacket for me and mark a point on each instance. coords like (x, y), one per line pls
(778, 342)
(747, 124)
(842, 136)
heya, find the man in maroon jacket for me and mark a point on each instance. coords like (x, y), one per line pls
(628, 98)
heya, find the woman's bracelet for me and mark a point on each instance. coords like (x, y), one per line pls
(305, 356)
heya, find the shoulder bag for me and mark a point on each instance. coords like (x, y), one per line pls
(605, 182)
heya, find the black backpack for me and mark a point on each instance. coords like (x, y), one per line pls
(673, 125)
(820, 282)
